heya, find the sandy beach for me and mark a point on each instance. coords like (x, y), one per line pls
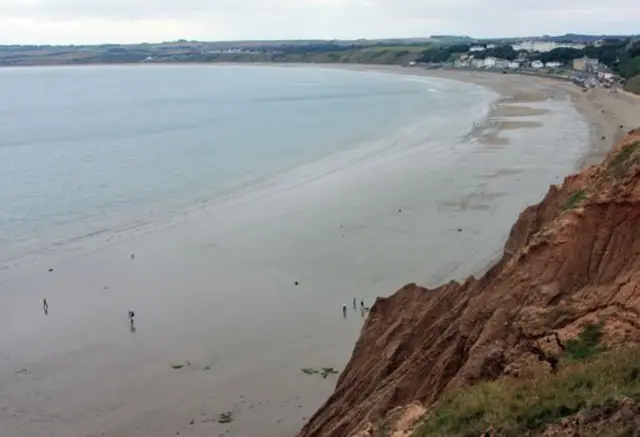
(235, 298)
(610, 115)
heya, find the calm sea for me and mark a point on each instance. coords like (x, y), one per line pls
(89, 151)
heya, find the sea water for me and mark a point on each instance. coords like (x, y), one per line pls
(87, 152)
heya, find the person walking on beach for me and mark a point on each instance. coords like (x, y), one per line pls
(362, 304)
(132, 326)
(354, 303)
(45, 306)
(344, 310)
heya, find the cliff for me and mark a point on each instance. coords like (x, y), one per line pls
(571, 267)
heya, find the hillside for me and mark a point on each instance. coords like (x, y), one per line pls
(531, 347)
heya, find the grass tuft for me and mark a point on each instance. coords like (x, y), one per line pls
(586, 344)
(574, 200)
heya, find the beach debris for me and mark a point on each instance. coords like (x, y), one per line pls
(21, 371)
(133, 256)
(459, 229)
(187, 363)
(296, 283)
(399, 209)
(604, 138)
(225, 417)
(326, 371)
(192, 421)
(50, 270)
(323, 371)
(206, 368)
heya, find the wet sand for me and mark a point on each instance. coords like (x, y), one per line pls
(243, 294)
(610, 115)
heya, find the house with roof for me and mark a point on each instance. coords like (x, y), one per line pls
(490, 62)
(461, 63)
(501, 64)
(585, 64)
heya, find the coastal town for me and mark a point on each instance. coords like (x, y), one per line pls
(528, 57)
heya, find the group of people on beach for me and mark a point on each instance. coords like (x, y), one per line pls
(363, 309)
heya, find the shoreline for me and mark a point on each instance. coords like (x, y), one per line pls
(609, 115)
(272, 283)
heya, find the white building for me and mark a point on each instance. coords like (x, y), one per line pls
(537, 64)
(461, 63)
(490, 62)
(544, 46)
(553, 64)
(477, 49)
(605, 75)
(477, 63)
(491, 46)
(514, 65)
(502, 63)
(585, 64)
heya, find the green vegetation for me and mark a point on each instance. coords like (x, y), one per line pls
(574, 200)
(586, 344)
(438, 54)
(621, 162)
(517, 407)
(633, 84)
(622, 55)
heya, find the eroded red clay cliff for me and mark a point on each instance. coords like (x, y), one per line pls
(573, 259)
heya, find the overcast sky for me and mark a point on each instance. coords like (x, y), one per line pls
(97, 21)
